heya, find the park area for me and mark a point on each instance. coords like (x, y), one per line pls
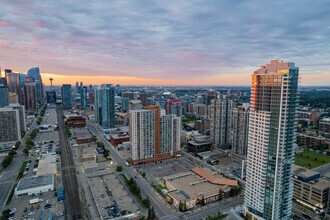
(311, 159)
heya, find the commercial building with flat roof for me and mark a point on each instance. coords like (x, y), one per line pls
(112, 199)
(35, 184)
(76, 122)
(309, 189)
(192, 186)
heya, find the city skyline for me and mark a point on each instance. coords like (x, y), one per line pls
(153, 43)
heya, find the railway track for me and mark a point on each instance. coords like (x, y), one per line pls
(70, 183)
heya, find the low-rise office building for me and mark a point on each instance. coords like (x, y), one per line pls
(309, 189)
(193, 186)
(76, 122)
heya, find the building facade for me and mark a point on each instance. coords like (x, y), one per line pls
(22, 119)
(10, 130)
(30, 97)
(221, 122)
(268, 192)
(4, 97)
(144, 99)
(240, 130)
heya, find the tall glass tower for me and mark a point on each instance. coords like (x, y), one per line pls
(108, 106)
(83, 97)
(66, 96)
(34, 73)
(105, 106)
(268, 192)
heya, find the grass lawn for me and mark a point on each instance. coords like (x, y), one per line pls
(308, 158)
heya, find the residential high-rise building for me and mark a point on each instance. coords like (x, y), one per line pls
(30, 97)
(66, 96)
(174, 107)
(4, 96)
(105, 106)
(200, 110)
(154, 137)
(21, 111)
(10, 130)
(130, 95)
(34, 73)
(268, 191)
(170, 127)
(98, 104)
(240, 129)
(144, 99)
(83, 97)
(221, 122)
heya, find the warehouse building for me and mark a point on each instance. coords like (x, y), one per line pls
(35, 184)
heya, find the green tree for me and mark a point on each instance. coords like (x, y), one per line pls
(26, 151)
(203, 201)
(119, 168)
(220, 195)
(94, 139)
(180, 206)
(143, 174)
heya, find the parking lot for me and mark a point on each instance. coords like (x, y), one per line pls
(33, 211)
(155, 171)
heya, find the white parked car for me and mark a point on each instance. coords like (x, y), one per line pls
(31, 213)
(59, 214)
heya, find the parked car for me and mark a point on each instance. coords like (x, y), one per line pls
(13, 211)
(32, 208)
(59, 214)
(25, 210)
(31, 213)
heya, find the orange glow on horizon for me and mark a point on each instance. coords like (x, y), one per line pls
(223, 79)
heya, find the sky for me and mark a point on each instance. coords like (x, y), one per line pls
(157, 42)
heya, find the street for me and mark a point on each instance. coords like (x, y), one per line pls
(8, 176)
(146, 190)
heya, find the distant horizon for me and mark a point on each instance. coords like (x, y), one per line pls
(98, 80)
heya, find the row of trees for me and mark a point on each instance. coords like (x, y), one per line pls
(7, 160)
(29, 142)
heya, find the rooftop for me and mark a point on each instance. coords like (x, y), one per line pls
(188, 187)
(303, 172)
(35, 181)
(111, 197)
(212, 178)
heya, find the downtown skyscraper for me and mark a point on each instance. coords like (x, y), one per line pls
(34, 73)
(105, 106)
(66, 95)
(268, 192)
